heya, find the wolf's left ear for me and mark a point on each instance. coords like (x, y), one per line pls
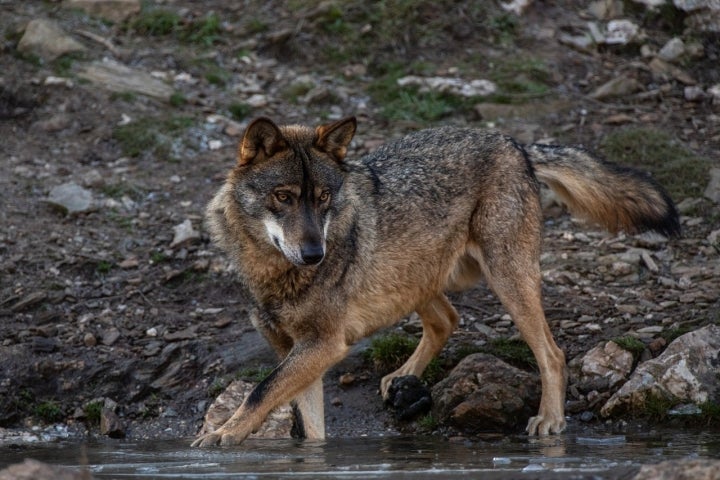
(335, 137)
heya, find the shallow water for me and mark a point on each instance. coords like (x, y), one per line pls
(565, 456)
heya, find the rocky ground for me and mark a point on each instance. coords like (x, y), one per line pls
(117, 126)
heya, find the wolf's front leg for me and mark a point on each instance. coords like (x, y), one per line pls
(302, 369)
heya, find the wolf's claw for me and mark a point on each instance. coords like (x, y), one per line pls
(540, 426)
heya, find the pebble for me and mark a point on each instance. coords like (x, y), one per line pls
(347, 379)
(89, 340)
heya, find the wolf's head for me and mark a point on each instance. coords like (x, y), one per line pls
(289, 179)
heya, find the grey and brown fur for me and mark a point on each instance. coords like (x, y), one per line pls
(333, 249)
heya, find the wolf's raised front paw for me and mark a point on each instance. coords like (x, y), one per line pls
(545, 425)
(222, 436)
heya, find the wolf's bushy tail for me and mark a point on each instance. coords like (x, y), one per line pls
(616, 197)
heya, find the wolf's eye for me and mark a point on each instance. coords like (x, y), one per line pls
(324, 197)
(282, 197)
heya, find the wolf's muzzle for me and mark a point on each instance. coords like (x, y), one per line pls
(312, 253)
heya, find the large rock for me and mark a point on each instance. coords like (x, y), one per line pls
(34, 470)
(47, 40)
(277, 425)
(116, 77)
(113, 10)
(71, 198)
(606, 361)
(485, 393)
(684, 469)
(686, 372)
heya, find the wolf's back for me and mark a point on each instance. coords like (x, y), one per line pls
(617, 198)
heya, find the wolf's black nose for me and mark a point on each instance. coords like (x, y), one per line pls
(312, 254)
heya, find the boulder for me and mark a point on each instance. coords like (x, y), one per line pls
(712, 191)
(683, 469)
(116, 77)
(686, 372)
(47, 40)
(606, 361)
(277, 425)
(34, 470)
(484, 393)
(71, 198)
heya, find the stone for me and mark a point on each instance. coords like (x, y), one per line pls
(35, 470)
(277, 425)
(619, 86)
(693, 93)
(621, 32)
(116, 11)
(484, 393)
(457, 86)
(606, 361)
(46, 39)
(666, 69)
(681, 469)
(686, 372)
(702, 15)
(110, 424)
(116, 77)
(712, 191)
(71, 198)
(673, 50)
(184, 234)
(409, 397)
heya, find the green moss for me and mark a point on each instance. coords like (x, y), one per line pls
(389, 352)
(123, 96)
(238, 111)
(514, 352)
(49, 411)
(156, 22)
(676, 167)
(93, 411)
(428, 423)
(631, 344)
(104, 267)
(254, 374)
(177, 99)
(204, 31)
(150, 135)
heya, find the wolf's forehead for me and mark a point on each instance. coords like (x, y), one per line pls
(303, 171)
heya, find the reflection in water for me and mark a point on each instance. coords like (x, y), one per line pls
(491, 457)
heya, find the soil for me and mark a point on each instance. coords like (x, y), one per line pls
(102, 305)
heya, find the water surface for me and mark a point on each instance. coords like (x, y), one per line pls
(571, 456)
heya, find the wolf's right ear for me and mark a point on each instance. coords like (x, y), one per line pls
(262, 139)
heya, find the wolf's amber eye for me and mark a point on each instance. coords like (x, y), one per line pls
(324, 197)
(282, 197)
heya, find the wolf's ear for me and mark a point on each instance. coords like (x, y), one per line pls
(335, 137)
(262, 139)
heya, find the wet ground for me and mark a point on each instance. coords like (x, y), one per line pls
(569, 456)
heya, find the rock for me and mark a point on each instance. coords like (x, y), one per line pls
(673, 50)
(71, 198)
(28, 301)
(34, 470)
(665, 69)
(276, 425)
(607, 361)
(47, 40)
(516, 6)
(409, 397)
(621, 32)
(457, 86)
(714, 92)
(604, 9)
(111, 425)
(703, 15)
(89, 340)
(682, 469)
(110, 336)
(620, 86)
(684, 372)
(712, 191)
(114, 10)
(184, 334)
(116, 77)
(484, 393)
(693, 93)
(184, 234)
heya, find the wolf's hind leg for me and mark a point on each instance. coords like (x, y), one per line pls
(309, 410)
(439, 320)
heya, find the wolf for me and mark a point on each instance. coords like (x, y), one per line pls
(333, 248)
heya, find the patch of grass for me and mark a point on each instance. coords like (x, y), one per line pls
(62, 66)
(150, 135)
(710, 413)
(128, 96)
(676, 167)
(428, 423)
(158, 257)
(104, 267)
(518, 80)
(93, 411)
(255, 25)
(673, 333)
(217, 77)
(434, 372)
(254, 374)
(217, 387)
(177, 99)
(204, 31)
(238, 111)
(49, 411)
(656, 407)
(296, 90)
(631, 344)
(156, 22)
(514, 352)
(389, 352)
